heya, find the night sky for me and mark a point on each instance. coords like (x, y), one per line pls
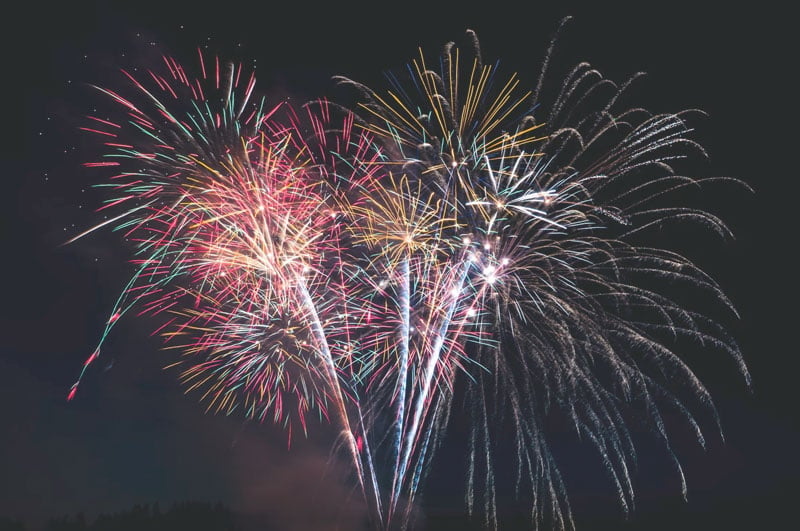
(132, 436)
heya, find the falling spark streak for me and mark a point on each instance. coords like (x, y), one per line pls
(429, 371)
(333, 381)
(405, 319)
(107, 222)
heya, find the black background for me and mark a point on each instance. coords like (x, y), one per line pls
(130, 436)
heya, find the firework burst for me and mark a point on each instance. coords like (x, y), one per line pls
(551, 303)
(451, 236)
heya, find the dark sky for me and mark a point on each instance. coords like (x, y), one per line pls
(131, 436)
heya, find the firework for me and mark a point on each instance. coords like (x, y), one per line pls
(449, 236)
(538, 286)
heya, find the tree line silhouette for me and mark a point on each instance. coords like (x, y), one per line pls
(191, 515)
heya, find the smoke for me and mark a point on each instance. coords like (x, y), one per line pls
(304, 488)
